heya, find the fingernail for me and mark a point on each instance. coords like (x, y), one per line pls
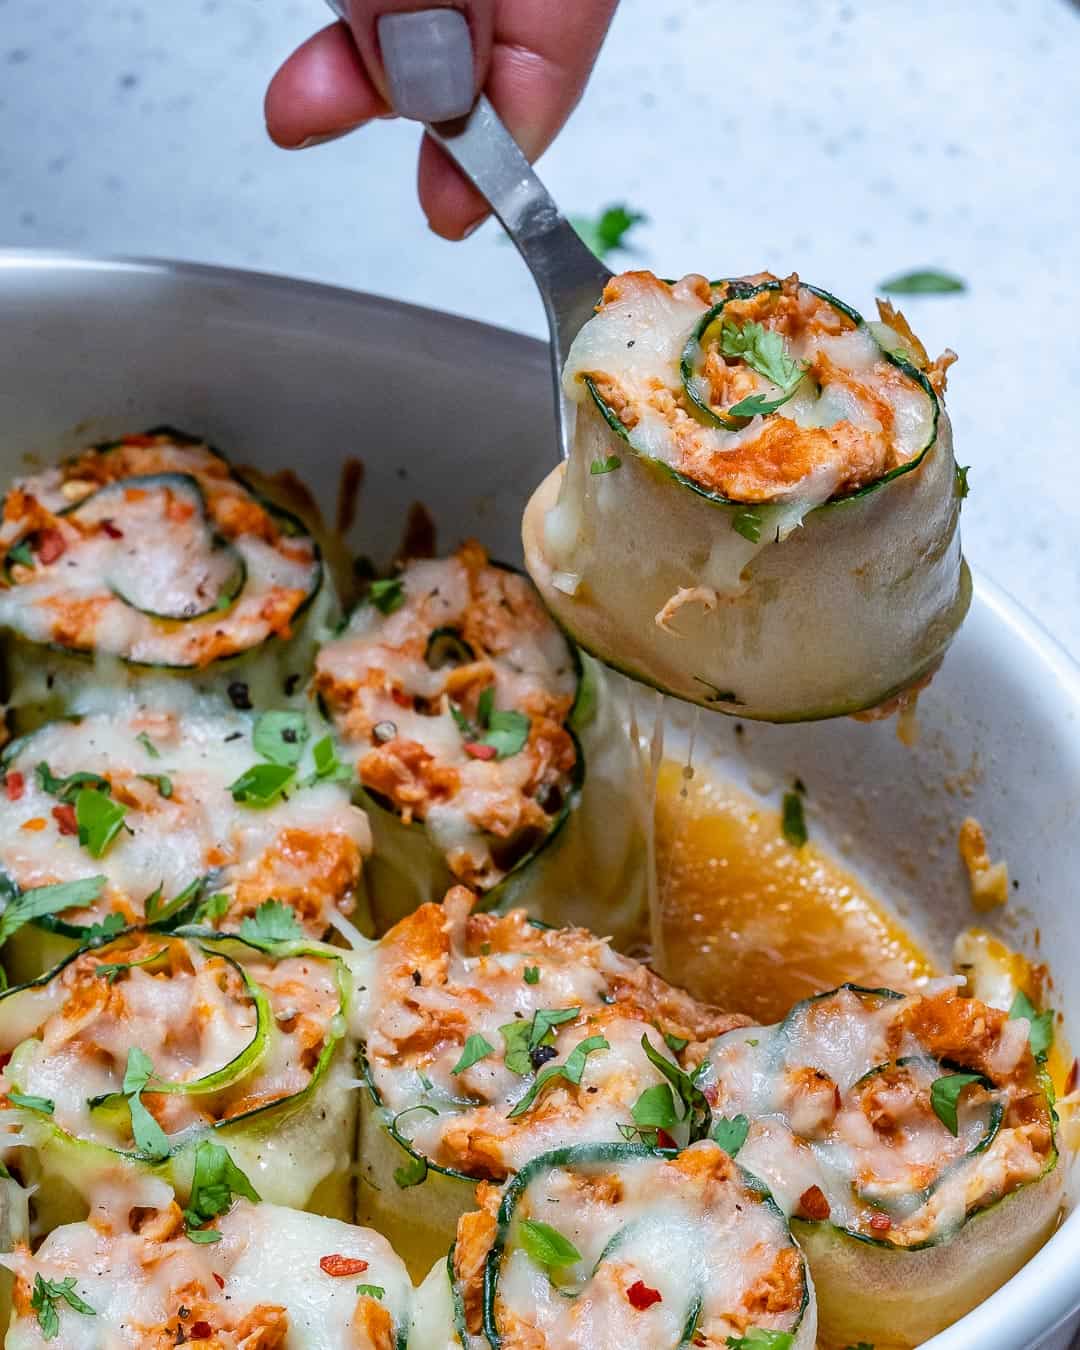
(326, 136)
(471, 229)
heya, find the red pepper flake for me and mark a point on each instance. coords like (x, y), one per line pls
(113, 531)
(664, 1140)
(50, 545)
(402, 699)
(642, 1297)
(813, 1205)
(218, 1279)
(880, 1223)
(16, 786)
(475, 750)
(342, 1265)
(200, 1331)
(64, 815)
(1072, 1076)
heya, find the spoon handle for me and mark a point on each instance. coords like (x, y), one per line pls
(428, 58)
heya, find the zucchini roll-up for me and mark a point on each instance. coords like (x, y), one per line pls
(151, 551)
(614, 1245)
(488, 1040)
(760, 512)
(128, 1054)
(142, 816)
(911, 1139)
(486, 753)
(257, 1277)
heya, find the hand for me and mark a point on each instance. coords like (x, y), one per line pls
(532, 59)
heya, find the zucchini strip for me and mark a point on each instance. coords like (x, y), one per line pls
(470, 720)
(268, 1276)
(153, 553)
(528, 1025)
(261, 1062)
(911, 1139)
(761, 507)
(187, 846)
(618, 1244)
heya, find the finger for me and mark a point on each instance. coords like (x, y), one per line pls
(537, 74)
(364, 16)
(321, 91)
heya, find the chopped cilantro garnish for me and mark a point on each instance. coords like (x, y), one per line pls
(328, 768)
(160, 781)
(546, 1018)
(43, 1104)
(411, 1173)
(111, 926)
(926, 281)
(606, 232)
(676, 1044)
(215, 1184)
(516, 1057)
(150, 1138)
(747, 522)
(1041, 1028)
(508, 732)
(21, 553)
(370, 1290)
(608, 465)
(111, 971)
(387, 595)
(213, 907)
(757, 405)
(763, 350)
(546, 1245)
(532, 975)
(280, 736)
(262, 784)
(66, 789)
(99, 819)
(477, 1047)
(47, 1294)
(945, 1095)
(148, 745)
(758, 1339)
(655, 1108)
(730, 1133)
(272, 922)
(694, 1106)
(793, 820)
(571, 1071)
(962, 485)
(42, 900)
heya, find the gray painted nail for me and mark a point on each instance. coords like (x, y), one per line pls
(428, 59)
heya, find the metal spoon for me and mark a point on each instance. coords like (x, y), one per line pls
(428, 59)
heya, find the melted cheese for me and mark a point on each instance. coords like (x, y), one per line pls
(397, 712)
(149, 1290)
(667, 1234)
(110, 539)
(189, 1011)
(839, 1099)
(442, 976)
(305, 850)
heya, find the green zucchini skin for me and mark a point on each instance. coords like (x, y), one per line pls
(296, 1149)
(863, 1281)
(590, 835)
(849, 610)
(438, 1320)
(45, 680)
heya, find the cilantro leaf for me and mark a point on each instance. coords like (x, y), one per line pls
(65, 789)
(758, 1339)
(111, 971)
(516, 1057)
(945, 1095)
(748, 522)
(546, 1018)
(411, 1173)
(280, 736)
(676, 1044)
(485, 705)
(99, 819)
(137, 1071)
(328, 768)
(387, 594)
(43, 1104)
(793, 820)
(763, 350)
(546, 1245)
(571, 1071)
(159, 780)
(20, 553)
(148, 745)
(1041, 1026)
(655, 1108)
(370, 1290)
(962, 486)
(262, 784)
(757, 405)
(531, 975)
(111, 926)
(476, 1048)
(215, 1183)
(42, 900)
(730, 1133)
(926, 281)
(508, 732)
(47, 1294)
(213, 907)
(607, 231)
(695, 1107)
(608, 465)
(272, 922)
(150, 1139)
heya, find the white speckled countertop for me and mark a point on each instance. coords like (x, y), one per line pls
(848, 141)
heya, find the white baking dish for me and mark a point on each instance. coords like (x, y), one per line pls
(292, 375)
